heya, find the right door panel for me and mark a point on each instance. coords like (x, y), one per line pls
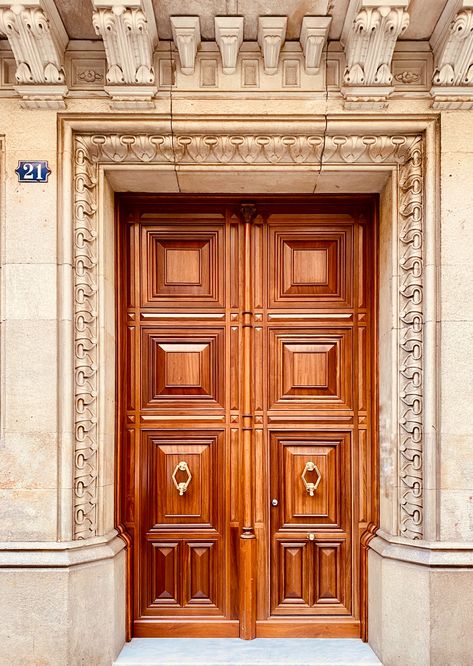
(316, 321)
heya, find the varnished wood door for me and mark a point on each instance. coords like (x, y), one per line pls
(246, 410)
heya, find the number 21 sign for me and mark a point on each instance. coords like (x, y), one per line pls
(32, 171)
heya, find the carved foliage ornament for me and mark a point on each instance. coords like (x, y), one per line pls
(454, 52)
(37, 48)
(369, 45)
(93, 149)
(128, 44)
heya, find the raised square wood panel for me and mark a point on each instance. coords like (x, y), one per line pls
(180, 368)
(310, 368)
(183, 267)
(309, 266)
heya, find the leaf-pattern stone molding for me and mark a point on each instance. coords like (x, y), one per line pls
(404, 151)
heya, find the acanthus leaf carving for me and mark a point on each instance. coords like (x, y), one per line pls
(129, 35)
(369, 37)
(271, 149)
(452, 43)
(38, 40)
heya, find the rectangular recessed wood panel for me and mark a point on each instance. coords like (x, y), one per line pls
(330, 504)
(203, 453)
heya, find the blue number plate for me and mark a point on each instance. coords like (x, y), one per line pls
(33, 171)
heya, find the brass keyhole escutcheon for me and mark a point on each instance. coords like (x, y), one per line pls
(182, 486)
(311, 486)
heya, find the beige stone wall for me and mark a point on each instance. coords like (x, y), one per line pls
(456, 329)
(62, 590)
(29, 470)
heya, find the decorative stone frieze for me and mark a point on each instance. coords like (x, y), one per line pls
(452, 44)
(369, 37)
(186, 36)
(129, 35)
(38, 40)
(314, 31)
(271, 37)
(312, 150)
(229, 37)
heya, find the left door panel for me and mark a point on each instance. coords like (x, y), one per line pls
(177, 359)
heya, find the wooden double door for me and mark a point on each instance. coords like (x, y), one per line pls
(246, 385)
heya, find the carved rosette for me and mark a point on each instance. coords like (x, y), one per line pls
(312, 150)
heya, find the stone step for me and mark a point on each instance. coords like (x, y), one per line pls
(235, 652)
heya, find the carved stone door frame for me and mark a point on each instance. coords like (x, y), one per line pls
(100, 154)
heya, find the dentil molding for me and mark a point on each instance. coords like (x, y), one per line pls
(314, 32)
(369, 36)
(129, 35)
(229, 37)
(406, 152)
(271, 37)
(186, 36)
(38, 40)
(452, 44)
